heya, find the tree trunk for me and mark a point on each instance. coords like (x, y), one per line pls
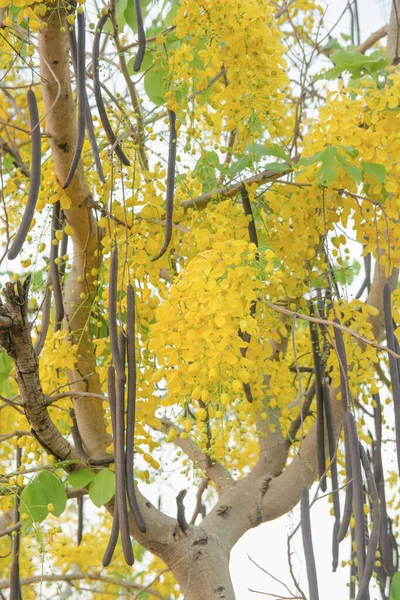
(200, 564)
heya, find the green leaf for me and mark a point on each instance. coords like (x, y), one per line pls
(34, 501)
(6, 366)
(374, 169)
(276, 167)
(395, 587)
(130, 16)
(354, 172)
(355, 63)
(102, 488)
(81, 478)
(327, 173)
(155, 84)
(54, 490)
(333, 44)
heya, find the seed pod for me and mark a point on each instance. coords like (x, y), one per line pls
(54, 273)
(88, 114)
(112, 542)
(97, 92)
(384, 540)
(334, 474)
(15, 589)
(249, 213)
(246, 337)
(81, 93)
(112, 316)
(374, 537)
(344, 386)
(169, 202)
(308, 544)
(351, 433)
(131, 409)
(141, 35)
(34, 185)
(46, 309)
(80, 520)
(320, 402)
(120, 472)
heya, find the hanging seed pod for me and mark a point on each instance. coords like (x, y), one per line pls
(320, 402)
(15, 589)
(97, 92)
(141, 36)
(308, 544)
(81, 93)
(374, 537)
(169, 202)
(131, 409)
(112, 542)
(112, 315)
(54, 272)
(88, 113)
(34, 185)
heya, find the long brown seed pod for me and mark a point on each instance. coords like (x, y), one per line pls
(249, 213)
(334, 474)
(374, 537)
(131, 410)
(88, 113)
(348, 502)
(393, 367)
(46, 310)
(351, 433)
(97, 92)
(246, 337)
(34, 185)
(81, 93)
(344, 386)
(120, 472)
(63, 252)
(384, 541)
(141, 36)
(15, 589)
(308, 544)
(54, 273)
(320, 402)
(367, 280)
(112, 542)
(169, 201)
(353, 569)
(112, 315)
(80, 520)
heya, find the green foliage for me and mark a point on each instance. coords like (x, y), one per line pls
(102, 488)
(6, 365)
(395, 587)
(377, 171)
(356, 64)
(46, 488)
(81, 478)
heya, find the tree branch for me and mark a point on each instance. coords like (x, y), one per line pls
(214, 470)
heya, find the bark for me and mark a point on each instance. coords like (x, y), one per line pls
(61, 128)
(393, 44)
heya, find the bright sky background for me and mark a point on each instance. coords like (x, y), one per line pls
(267, 543)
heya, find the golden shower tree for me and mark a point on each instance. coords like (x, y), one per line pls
(182, 188)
